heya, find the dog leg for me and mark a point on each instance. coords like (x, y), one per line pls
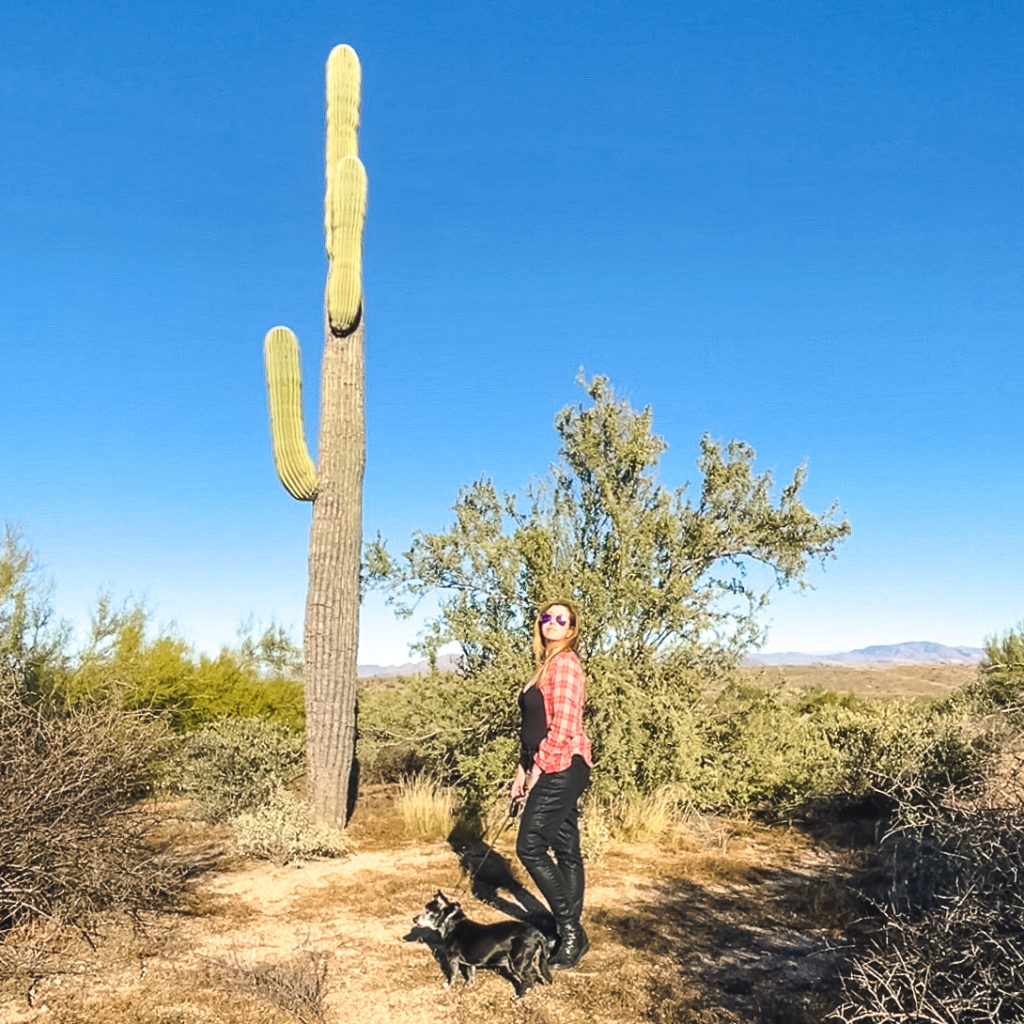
(450, 967)
(540, 963)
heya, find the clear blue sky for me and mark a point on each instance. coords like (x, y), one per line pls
(798, 224)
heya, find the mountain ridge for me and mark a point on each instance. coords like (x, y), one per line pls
(910, 652)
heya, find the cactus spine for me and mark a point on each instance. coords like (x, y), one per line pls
(335, 486)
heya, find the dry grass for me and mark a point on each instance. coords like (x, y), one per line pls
(426, 806)
(297, 984)
(642, 819)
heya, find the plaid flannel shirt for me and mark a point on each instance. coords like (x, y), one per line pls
(564, 690)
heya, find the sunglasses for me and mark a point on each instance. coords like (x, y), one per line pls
(548, 617)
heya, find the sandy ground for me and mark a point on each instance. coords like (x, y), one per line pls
(726, 923)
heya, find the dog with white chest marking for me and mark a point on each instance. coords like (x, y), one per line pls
(511, 947)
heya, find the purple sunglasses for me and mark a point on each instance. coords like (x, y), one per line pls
(560, 619)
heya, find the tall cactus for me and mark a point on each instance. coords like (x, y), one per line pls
(335, 487)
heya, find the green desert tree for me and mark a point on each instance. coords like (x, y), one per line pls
(1001, 672)
(662, 576)
(670, 586)
(32, 640)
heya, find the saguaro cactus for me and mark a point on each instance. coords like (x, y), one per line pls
(335, 486)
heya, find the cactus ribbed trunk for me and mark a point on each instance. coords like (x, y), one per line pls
(332, 603)
(335, 486)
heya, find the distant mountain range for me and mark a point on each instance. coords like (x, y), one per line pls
(446, 662)
(913, 652)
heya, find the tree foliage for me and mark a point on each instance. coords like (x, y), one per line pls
(1001, 672)
(32, 639)
(662, 577)
(126, 662)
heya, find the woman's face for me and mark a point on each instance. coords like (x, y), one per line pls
(558, 625)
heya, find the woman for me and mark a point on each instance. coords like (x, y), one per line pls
(554, 770)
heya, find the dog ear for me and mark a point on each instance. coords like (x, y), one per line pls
(442, 899)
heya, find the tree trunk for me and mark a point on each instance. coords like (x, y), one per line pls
(332, 603)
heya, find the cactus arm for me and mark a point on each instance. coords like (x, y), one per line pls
(345, 246)
(284, 399)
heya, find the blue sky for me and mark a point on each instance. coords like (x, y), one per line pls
(798, 224)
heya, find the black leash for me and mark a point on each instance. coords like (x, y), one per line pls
(513, 812)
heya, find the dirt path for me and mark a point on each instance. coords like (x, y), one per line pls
(728, 927)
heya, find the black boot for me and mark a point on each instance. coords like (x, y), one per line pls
(573, 943)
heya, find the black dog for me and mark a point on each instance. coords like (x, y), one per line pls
(512, 947)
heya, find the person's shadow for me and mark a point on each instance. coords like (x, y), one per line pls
(493, 882)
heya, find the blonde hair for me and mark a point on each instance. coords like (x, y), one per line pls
(541, 654)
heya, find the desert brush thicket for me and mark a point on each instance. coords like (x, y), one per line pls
(76, 843)
(87, 734)
(950, 948)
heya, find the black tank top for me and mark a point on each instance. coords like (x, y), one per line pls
(534, 724)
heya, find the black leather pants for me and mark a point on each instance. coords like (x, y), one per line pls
(550, 822)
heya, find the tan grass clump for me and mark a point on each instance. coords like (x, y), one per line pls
(639, 818)
(426, 806)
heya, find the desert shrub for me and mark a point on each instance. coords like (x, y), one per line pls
(778, 750)
(32, 640)
(952, 944)
(646, 727)
(462, 730)
(762, 749)
(123, 664)
(234, 764)
(1000, 682)
(298, 985)
(75, 840)
(739, 748)
(465, 729)
(895, 748)
(282, 828)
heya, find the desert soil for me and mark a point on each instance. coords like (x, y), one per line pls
(718, 923)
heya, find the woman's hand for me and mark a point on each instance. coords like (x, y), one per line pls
(519, 787)
(523, 783)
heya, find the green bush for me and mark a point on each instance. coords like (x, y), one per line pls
(895, 747)
(1000, 682)
(282, 829)
(762, 749)
(464, 731)
(645, 728)
(743, 748)
(124, 666)
(234, 765)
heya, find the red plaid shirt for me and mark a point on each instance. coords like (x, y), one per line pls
(564, 690)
